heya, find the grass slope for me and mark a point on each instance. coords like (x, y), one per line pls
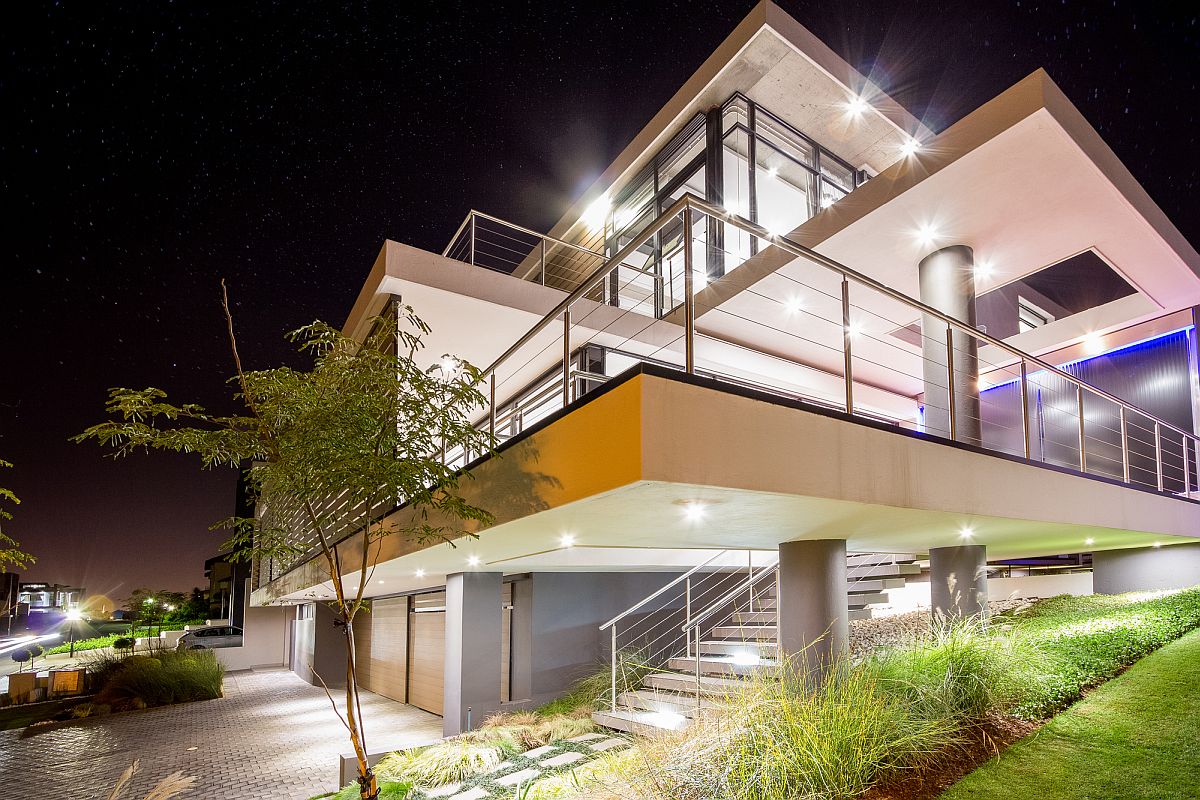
(1137, 736)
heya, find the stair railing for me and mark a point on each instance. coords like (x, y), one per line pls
(651, 625)
(691, 629)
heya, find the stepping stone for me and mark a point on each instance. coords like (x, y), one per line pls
(587, 737)
(478, 793)
(539, 752)
(443, 791)
(524, 776)
(607, 744)
(562, 760)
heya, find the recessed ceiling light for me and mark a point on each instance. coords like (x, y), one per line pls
(597, 213)
(1158, 544)
(567, 540)
(1089, 540)
(473, 561)
(695, 511)
(927, 234)
(773, 172)
(855, 328)
(794, 304)
(1093, 344)
(448, 365)
(420, 573)
(983, 269)
(966, 532)
(856, 105)
(910, 147)
(379, 580)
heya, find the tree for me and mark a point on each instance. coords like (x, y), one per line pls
(10, 552)
(150, 606)
(364, 424)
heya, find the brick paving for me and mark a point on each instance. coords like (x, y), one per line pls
(272, 737)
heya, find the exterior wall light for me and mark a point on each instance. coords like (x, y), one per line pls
(597, 213)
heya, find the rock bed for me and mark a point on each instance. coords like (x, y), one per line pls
(868, 635)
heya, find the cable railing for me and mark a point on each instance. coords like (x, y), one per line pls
(646, 310)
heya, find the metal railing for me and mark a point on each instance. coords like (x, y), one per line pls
(1051, 417)
(649, 630)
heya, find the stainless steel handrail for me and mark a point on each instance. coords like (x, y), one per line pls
(728, 598)
(783, 242)
(473, 213)
(650, 597)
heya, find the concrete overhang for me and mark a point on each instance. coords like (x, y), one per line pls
(617, 471)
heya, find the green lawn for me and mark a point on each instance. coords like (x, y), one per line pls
(1137, 736)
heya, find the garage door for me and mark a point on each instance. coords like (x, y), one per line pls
(427, 650)
(381, 647)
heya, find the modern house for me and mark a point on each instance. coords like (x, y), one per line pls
(791, 350)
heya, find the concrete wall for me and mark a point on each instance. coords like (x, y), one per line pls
(1149, 568)
(556, 621)
(266, 639)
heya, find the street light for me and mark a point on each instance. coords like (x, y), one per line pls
(73, 616)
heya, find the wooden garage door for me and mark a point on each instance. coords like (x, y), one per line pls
(427, 651)
(381, 646)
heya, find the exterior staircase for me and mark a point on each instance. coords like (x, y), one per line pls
(739, 639)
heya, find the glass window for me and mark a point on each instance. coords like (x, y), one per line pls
(1030, 316)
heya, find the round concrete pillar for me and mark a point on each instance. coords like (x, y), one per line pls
(947, 281)
(814, 619)
(958, 582)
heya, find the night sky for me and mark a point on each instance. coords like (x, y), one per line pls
(150, 149)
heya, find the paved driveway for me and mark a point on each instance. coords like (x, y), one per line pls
(272, 737)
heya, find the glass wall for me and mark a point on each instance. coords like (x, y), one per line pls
(740, 156)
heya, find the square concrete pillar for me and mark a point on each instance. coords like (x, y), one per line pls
(958, 582)
(474, 618)
(814, 617)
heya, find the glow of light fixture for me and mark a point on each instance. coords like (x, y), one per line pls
(927, 234)
(419, 573)
(1158, 544)
(855, 328)
(567, 540)
(170, 608)
(744, 658)
(149, 601)
(597, 213)
(74, 615)
(1093, 344)
(773, 173)
(857, 105)
(826, 202)
(695, 511)
(1089, 540)
(448, 365)
(379, 580)
(794, 304)
(983, 269)
(966, 532)
(910, 147)
(473, 561)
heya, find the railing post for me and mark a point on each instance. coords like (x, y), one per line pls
(847, 351)
(1158, 465)
(750, 574)
(1082, 434)
(473, 239)
(1025, 409)
(614, 669)
(543, 270)
(492, 404)
(1124, 446)
(689, 300)
(1187, 471)
(566, 368)
(950, 399)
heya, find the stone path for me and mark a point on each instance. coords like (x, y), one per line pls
(272, 737)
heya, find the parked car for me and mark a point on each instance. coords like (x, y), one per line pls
(210, 638)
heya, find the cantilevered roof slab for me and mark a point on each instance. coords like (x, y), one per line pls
(618, 471)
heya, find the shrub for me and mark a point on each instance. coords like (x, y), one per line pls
(447, 762)
(123, 643)
(168, 677)
(94, 643)
(592, 692)
(388, 790)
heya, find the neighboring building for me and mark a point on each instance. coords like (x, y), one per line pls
(226, 577)
(794, 341)
(42, 598)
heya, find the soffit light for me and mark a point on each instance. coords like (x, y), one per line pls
(1089, 540)
(597, 212)
(695, 511)
(927, 234)
(567, 540)
(420, 573)
(983, 269)
(794, 305)
(966, 532)
(1093, 344)
(473, 561)
(857, 105)
(910, 147)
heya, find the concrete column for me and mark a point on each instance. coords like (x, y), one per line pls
(474, 616)
(947, 279)
(522, 639)
(1146, 569)
(814, 619)
(958, 582)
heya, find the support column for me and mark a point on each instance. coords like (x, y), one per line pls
(814, 619)
(1142, 569)
(958, 582)
(474, 616)
(947, 279)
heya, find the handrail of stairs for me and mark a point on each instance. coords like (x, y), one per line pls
(661, 591)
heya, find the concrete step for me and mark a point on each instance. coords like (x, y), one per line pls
(857, 559)
(744, 632)
(685, 683)
(669, 701)
(860, 613)
(760, 648)
(875, 585)
(883, 571)
(753, 618)
(724, 665)
(866, 598)
(643, 723)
